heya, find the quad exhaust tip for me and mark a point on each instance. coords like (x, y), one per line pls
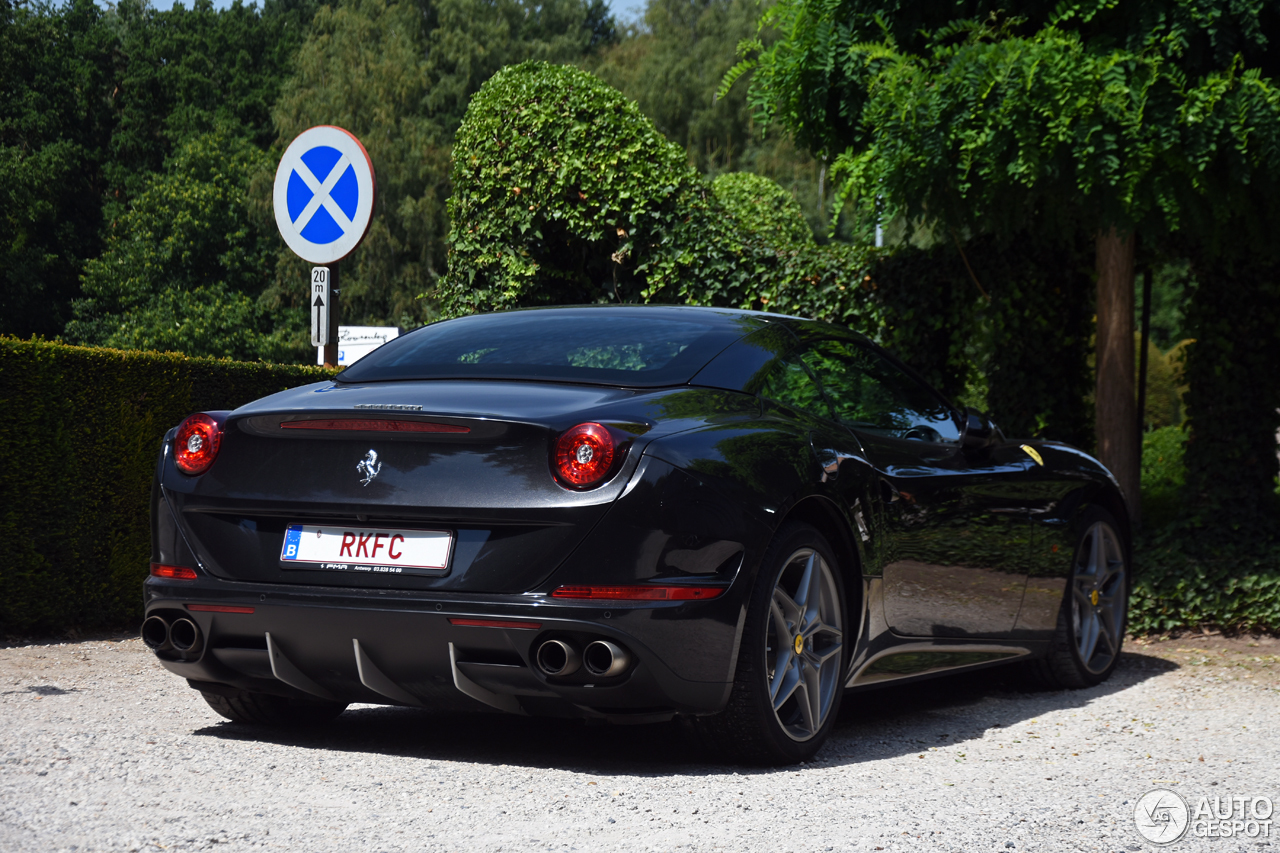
(155, 633)
(181, 636)
(184, 635)
(557, 658)
(605, 659)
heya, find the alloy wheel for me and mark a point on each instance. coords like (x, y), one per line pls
(1098, 598)
(804, 641)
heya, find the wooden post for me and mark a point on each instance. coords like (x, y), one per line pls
(1117, 416)
(331, 348)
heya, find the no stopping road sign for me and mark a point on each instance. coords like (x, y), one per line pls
(324, 194)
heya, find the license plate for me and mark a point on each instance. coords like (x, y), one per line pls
(366, 549)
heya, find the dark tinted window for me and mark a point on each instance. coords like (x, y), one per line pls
(628, 347)
(788, 382)
(868, 392)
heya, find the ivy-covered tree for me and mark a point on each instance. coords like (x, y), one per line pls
(1119, 119)
(565, 192)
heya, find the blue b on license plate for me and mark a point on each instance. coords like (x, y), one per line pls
(365, 549)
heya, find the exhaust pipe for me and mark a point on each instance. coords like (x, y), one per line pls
(556, 657)
(605, 659)
(184, 635)
(155, 633)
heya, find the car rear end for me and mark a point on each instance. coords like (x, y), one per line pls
(400, 542)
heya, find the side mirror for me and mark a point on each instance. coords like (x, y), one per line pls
(979, 431)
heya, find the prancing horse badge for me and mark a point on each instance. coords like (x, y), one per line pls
(369, 467)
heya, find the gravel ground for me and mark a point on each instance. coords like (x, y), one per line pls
(104, 750)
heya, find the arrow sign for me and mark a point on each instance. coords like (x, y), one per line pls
(321, 326)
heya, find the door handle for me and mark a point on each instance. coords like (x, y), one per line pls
(829, 460)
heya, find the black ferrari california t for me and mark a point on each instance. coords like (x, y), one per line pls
(626, 513)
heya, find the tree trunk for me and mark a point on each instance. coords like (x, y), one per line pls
(1119, 447)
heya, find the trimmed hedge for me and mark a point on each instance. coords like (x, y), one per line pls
(79, 438)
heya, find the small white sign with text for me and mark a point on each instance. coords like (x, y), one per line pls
(355, 342)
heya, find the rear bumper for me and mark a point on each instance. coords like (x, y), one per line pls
(399, 648)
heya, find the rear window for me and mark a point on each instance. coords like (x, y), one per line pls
(632, 348)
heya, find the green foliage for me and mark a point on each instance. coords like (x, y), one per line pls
(671, 65)
(1020, 332)
(1165, 385)
(1164, 474)
(188, 71)
(564, 192)
(762, 207)
(1171, 285)
(184, 268)
(95, 104)
(1233, 393)
(1174, 589)
(55, 119)
(468, 41)
(988, 116)
(80, 435)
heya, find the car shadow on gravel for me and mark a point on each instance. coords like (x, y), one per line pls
(876, 724)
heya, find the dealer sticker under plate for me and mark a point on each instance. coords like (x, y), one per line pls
(378, 550)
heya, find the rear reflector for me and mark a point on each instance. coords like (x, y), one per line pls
(373, 425)
(640, 593)
(179, 573)
(494, 623)
(218, 608)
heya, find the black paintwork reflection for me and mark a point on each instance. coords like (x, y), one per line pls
(914, 663)
(958, 537)
(1057, 492)
(742, 366)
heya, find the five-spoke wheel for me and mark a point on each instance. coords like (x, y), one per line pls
(1098, 598)
(1085, 647)
(788, 684)
(804, 642)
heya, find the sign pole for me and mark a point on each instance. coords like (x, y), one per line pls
(331, 341)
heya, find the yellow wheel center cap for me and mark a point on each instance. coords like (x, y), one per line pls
(799, 644)
(1093, 598)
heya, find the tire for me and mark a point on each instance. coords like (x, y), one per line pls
(1089, 635)
(262, 709)
(749, 729)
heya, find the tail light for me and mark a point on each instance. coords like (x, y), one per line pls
(177, 573)
(197, 443)
(584, 456)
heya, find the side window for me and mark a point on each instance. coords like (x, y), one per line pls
(870, 393)
(787, 382)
